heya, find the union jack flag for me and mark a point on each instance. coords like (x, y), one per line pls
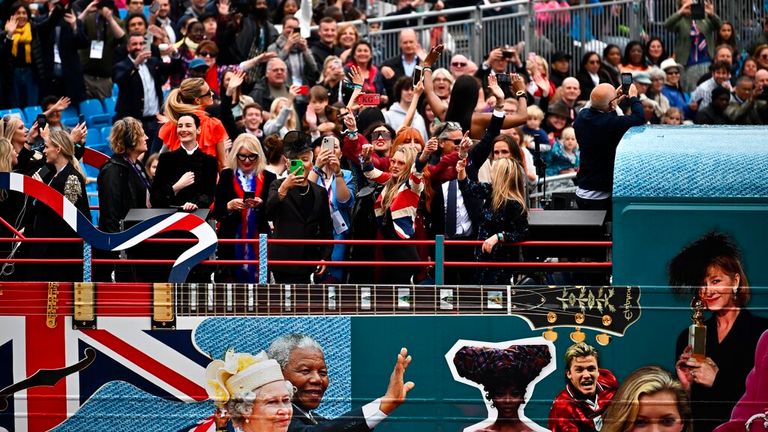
(160, 363)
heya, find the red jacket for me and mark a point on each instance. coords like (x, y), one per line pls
(572, 414)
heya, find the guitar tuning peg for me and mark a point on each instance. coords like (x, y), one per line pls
(578, 336)
(603, 339)
(550, 335)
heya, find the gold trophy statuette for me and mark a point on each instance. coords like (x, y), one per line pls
(697, 332)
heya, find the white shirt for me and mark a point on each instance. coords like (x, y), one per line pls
(151, 104)
(463, 223)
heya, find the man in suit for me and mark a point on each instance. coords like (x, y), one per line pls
(299, 209)
(401, 65)
(139, 78)
(303, 363)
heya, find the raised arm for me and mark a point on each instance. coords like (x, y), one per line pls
(414, 103)
(438, 106)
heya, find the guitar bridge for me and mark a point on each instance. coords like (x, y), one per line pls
(85, 306)
(163, 316)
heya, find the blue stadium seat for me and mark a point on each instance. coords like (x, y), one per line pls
(30, 114)
(69, 117)
(94, 113)
(122, 13)
(109, 105)
(12, 111)
(115, 90)
(94, 138)
(105, 131)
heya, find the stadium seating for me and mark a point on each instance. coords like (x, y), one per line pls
(30, 114)
(94, 113)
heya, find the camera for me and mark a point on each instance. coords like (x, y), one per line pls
(697, 10)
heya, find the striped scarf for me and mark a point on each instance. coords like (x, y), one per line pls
(404, 205)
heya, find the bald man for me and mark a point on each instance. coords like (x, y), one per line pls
(599, 129)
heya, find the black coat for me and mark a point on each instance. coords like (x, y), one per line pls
(396, 64)
(69, 44)
(291, 222)
(46, 223)
(352, 421)
(171, 166)
(120, 189)
(734, 357)
(230, 221)
(587, 85)
(130, 99)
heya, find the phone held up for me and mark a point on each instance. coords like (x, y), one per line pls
(417, 71)
(697, 10)
(296, 167)
(328, 144)
(249, 195)
(369, 99)
(626, 81)
(41, 121)
(504, 82)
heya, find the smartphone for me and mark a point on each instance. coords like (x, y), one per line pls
(43, 171)
(369, 99)
(328, 144)
(626, 81)
(417, 75)
(81, 119)
(507, 54)
(504, 82)
(154, 8)
(303, 90)
(249, 195)
(697, 10)
(148, 42)
(41, 121)
(296, 167)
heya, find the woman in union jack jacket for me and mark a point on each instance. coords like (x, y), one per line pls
(396, 206)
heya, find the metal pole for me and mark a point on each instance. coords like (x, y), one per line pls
(477, 35)
(439, 259)
(582, 31)
(634, 20)
(529, 29)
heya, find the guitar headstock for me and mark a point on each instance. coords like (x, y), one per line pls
(607, 309)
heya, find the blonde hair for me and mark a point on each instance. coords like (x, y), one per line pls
(326, 62)
(124, 130)
(250, 143)
(61, 139)
(622, 411)
(568, 132)
(507, 182)
(293, 119)
(392, 186)
(535, 112)
(6, 152)
(181, 100)
(10, 127)
(444, 73)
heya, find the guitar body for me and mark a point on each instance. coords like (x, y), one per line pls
(77, 354)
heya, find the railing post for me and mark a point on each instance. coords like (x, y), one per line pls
(439, 259)
(477, 36)
(529, 29)
(263, 269)
(634, 20)
(582, 29)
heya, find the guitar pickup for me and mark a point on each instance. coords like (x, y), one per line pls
(85, 306)
(163, 316)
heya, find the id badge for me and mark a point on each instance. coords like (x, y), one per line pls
(97, 49)
(339, 226)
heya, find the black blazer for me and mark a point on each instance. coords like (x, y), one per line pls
(472, 203)
(396, 63)
(291, 223)
(130, 99)
(120, 189)
(171, 166)
(225, 192)
(587, 85)
(352, 421)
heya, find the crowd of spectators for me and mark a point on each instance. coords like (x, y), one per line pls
(249, 117)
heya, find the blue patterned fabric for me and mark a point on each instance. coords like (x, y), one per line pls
(688, 162)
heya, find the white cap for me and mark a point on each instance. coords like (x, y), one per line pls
(670, 62)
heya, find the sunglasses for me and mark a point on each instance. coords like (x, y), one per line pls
(385, 135)
(208, 93)
(456, 141)
(673, 72)
(251, 157)
(458, 64)
(207, 54)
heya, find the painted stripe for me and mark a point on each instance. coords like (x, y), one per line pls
(162, 376)
(70, 214)
(48, 195)
(149, 232)
(72, 356)
(13, 331)
(46, 405)
(17, 182)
